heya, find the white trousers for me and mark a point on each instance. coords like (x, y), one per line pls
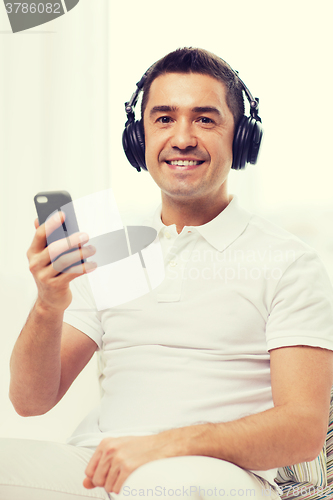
(38, 470)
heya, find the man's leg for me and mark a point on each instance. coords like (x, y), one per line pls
(195, 478)
(38, 470)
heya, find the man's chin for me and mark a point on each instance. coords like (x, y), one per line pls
(181, 193)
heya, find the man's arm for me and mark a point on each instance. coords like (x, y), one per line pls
(293, 431)
(46, 359)
(48, 355)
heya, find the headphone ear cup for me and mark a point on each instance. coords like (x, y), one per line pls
(246, 142)
(134, 144)
(140, 148)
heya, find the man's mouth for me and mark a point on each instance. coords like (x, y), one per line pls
(184, 163)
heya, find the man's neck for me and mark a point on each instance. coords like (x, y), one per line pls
(194, 213)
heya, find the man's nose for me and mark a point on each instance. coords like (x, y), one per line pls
(183, 135)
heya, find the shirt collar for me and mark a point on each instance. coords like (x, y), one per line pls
(221, 231)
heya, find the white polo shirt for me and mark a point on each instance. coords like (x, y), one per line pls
(196, 348)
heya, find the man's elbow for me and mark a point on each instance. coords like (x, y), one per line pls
(24, 409)
(313, 434)
(317, 446)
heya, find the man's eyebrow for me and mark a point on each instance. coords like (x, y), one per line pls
(162, 109)
(206, 109)
(197, 109)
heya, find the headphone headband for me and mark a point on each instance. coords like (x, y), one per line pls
(134, 98)
(254, 101)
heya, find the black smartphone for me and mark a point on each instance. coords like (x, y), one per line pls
(49, 202)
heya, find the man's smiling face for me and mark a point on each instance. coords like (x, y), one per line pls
(189, 132)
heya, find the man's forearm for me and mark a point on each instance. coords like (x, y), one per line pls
(268, 440)
(277, 437)
(35, 363)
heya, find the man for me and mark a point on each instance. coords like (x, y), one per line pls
(213, 380)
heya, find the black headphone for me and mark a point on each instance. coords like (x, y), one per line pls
(246, 142)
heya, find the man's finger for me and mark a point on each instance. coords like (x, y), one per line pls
(92, 465)
(114, 481)
(39, 241)
(60, 268)
(72, 243)
(88, 484)
(52, 223)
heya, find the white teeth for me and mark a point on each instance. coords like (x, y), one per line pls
(184, 163)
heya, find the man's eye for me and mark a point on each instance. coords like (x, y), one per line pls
(206, 120)
(164, 119)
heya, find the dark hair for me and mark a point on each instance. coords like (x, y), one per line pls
(193, 60)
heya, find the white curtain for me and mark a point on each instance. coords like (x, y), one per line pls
(54, 135)
(54, 126)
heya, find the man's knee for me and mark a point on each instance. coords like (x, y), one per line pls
(191, 477)
(48, 469)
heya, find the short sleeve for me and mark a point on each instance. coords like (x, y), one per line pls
(82, 312)
(301, 310)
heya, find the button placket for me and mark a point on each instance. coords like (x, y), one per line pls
(170, 289)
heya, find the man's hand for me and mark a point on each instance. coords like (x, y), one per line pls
(48, 354)
(116, 458)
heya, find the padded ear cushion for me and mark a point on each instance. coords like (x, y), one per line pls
(238, 142)
(246, 145)
(134, 145)
(140, 144)
(126, 146)
(255, 143)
